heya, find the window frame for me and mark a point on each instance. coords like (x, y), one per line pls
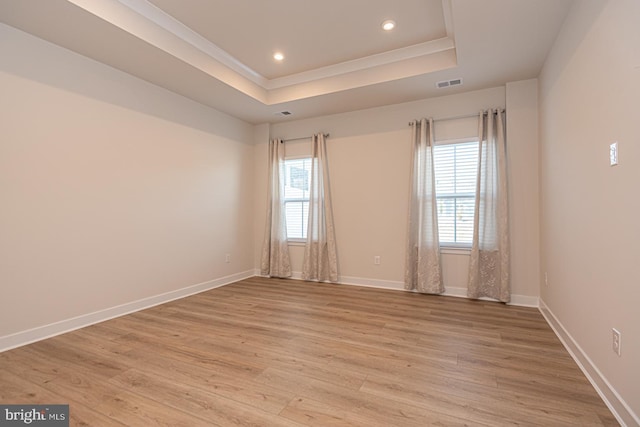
(455, 247)
(296, 241)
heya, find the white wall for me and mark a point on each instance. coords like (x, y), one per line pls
(113, 190)
(369, 158)
(590, 97)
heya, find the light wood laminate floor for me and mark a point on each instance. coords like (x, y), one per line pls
(267, 352)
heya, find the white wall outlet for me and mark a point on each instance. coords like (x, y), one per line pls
(227, 258)
(376, 260)
(613, 154)
(616, 341)
(546, 279)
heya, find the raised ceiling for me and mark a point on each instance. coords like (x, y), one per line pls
(312, 34)
(337, 57)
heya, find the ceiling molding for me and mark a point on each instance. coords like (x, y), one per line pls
(392, 71)
(122, 16)
(366, 63)
(448, 19)
(154, 26)
(172, 25)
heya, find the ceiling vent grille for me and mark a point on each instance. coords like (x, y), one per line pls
(448, 83)
(283, 113)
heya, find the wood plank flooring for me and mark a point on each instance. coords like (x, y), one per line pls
(267, 352)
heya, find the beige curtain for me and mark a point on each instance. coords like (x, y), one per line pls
(423, 271)
(320, 261)
(489, 263)
(275, 250)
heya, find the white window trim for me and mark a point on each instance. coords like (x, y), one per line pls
(304, 156)
(455, 248)
(456, 140)
(449, 249)
(296, 241)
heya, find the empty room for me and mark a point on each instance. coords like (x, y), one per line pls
(319, 213)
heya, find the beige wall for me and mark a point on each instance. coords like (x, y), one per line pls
(369, 155)
(524, 211)
(590, 97)
(113, 190)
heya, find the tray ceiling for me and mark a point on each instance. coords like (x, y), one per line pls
(337, 57)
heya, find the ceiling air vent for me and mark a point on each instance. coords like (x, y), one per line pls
(448, 83)
(283, 113)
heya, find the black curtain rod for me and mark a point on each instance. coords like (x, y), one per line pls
(326, 135)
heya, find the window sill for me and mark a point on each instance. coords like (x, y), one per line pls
(452, 250)
(296, 242)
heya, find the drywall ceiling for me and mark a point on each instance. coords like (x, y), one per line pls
(337, 57)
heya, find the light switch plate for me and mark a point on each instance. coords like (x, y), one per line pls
(613, 154)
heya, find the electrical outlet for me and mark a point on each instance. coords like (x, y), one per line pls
(227, 258)
(616, 341)
(376, 260)
(546, 279)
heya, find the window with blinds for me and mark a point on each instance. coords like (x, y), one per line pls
(456, 167)
(297, 174)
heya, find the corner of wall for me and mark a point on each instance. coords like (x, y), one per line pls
(524, 212)
(261, 135)
(616, 404)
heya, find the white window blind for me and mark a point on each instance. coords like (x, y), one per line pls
(456, 168)
(296, 197)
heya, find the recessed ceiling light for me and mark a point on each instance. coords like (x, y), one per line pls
(388, 25)
(278, 56)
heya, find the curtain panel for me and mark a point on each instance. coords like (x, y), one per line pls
(275, 260)
(320, 262)
(489, 262)
(423, 271)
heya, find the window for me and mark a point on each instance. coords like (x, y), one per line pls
(297, 175)
(456, 167)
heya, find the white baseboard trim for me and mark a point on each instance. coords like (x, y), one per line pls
(371, 283)
(524, 301)
(623, 413)
(518, 300)
(29, 336)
